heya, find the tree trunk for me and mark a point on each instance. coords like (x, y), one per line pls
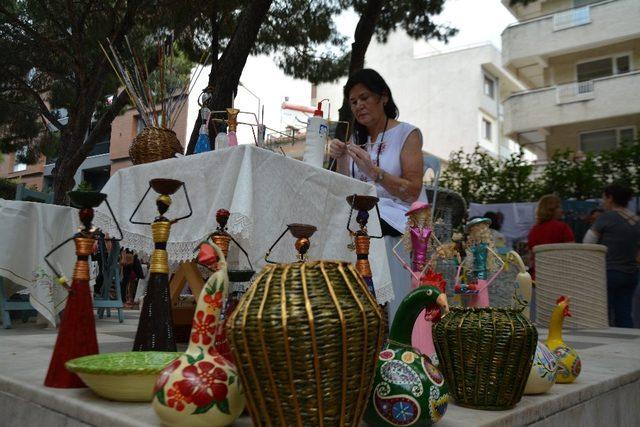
(232, 62)
(361, 40)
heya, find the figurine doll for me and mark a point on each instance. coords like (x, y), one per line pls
(480, 261)
(77, 332)
(155, 328)
(417, 237)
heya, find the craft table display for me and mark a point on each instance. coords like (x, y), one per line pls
(263, 192)
(29, 230)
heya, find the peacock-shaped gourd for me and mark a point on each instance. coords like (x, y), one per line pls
(408, 388)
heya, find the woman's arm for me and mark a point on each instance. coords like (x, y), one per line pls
(406, 187)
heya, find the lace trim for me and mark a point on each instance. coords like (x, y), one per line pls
(178, 252)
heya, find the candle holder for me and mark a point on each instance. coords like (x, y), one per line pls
(302, 232)
(155, 328)
(77, 332)
(361, 238)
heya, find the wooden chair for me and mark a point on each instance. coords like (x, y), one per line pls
(27, 195)
(110, 276)
(6, 305)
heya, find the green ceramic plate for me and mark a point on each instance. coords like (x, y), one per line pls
(106, 373)
(130, 363)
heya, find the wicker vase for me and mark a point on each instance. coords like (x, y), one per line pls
(486, 355)
(306, 338)
(153, 144)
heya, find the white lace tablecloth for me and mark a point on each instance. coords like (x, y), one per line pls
(28, 231)
(263, 191)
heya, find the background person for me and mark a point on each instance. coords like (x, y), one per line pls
(386, 153)
(619, 230)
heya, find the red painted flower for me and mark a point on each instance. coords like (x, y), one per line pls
(214, 300)
(176, 397)
(164, 376)
(203, 326)
(200, 383)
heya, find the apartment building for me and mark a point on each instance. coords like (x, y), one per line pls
(106, 158)
(454, 97)
(580, 61)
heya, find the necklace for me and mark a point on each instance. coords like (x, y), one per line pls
(386, 123)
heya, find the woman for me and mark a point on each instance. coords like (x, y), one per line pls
(619, 230)
(384, 152)
(548, 228)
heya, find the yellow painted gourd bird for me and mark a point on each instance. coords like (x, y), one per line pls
(569, 364)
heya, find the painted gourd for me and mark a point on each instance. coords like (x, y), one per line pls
(408, 388)
(569, 364)
(202, 388)
(542, 375)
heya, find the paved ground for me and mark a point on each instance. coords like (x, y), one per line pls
(606, 393)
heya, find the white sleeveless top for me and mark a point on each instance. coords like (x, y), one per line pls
(392, 209)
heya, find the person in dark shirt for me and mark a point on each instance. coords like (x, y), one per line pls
(619, 230)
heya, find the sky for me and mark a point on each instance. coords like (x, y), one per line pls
(478, 21)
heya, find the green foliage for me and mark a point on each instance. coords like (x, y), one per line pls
(320, 53)
(8, 188)
(481, 178)
(85, 186)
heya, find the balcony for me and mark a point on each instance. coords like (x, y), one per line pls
(602, 98)
(573, 30)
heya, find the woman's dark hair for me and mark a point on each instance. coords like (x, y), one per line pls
(619, 193)
(373, 81)
(495, 224)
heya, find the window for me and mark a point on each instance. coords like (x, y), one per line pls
(622, 64)
(489, 87)
(486, 129)
(603, 68)
(17, 165)
(607, 139)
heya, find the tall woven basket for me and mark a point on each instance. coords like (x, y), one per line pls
(153, 144)
(486, 355)
(578, 271)
(306, 338)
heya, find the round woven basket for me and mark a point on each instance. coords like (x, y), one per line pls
(575, 270)
(485, 355)
(306, 338)
(153, 144)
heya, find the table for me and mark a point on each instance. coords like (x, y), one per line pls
(607, 392)
(263, 191)
(28, 231)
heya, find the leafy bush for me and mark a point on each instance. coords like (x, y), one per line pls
(481, 178)
(8, 188)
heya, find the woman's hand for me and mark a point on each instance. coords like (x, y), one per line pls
(337, 148)
(362, 159)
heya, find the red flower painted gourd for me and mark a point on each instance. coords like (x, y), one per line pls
(202, 388)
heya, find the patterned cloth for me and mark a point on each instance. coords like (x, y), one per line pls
(29, 230)
(263, 191)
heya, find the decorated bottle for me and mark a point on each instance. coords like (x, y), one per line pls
(201, 387)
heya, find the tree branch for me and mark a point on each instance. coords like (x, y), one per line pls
(103, 123)
(33, 33)
(41, 104)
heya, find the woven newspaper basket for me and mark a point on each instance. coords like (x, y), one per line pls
(306, 338)
(578, 271)
(153, 144)
(485, 355)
